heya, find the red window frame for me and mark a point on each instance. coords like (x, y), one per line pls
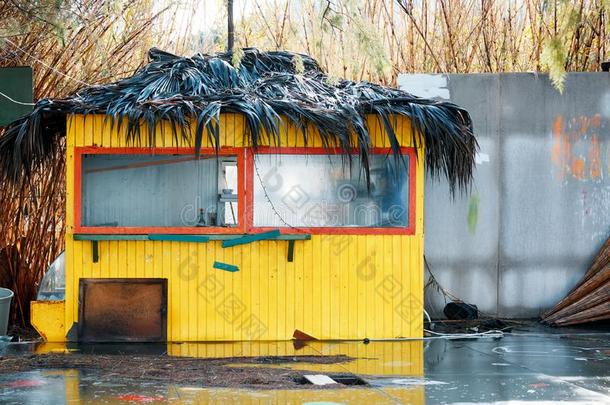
(79, 228)
(408, 230)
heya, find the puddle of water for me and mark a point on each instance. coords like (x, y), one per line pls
(400, 358)
(533, 370)
(325, 396)
(74, 387)
(78, 387)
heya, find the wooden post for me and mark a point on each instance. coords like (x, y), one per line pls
(230, 29)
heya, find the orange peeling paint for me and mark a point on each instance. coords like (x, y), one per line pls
(583, 124)
(578, 168)
(575, 150)
(556, 148)
(595, 170)
(558, 126)
(596, 121)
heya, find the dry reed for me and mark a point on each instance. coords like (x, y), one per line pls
(79, 42)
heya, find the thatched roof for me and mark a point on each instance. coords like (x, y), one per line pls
(263, 87)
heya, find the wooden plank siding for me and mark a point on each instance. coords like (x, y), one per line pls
(337, 287)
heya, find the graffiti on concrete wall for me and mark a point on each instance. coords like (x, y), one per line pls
(576, 152)
(580, 156)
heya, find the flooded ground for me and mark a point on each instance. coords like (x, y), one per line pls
(536, 367)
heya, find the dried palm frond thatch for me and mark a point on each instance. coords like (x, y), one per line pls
(589, 301)
(265, 86)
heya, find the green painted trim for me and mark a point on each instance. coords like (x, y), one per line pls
(180, 238)
(250, 238)
(225, 267)
(82, 236)
(211, 237)
(303, 236)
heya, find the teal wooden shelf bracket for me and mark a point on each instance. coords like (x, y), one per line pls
(228, 240)
(290, 251)
(250, 238)
(95, 252)
(225, 267)
(180, 238)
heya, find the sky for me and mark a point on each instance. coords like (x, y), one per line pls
(207, 13)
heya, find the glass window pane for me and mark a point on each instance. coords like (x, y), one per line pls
(228, 192)
(325, 191)
(157, 190)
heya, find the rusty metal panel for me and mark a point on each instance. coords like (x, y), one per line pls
(122, 310)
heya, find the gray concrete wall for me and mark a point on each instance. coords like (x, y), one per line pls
(540, 205)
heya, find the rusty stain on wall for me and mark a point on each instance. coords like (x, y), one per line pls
(576, 152)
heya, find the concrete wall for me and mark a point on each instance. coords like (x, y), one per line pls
(540, 205)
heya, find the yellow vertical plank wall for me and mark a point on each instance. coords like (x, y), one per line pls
(337, 287)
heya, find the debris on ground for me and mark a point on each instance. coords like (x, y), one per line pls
(460, 310)
(21, 334)
(481, 325)
(135, 398)
(319, 379)
(218, 372)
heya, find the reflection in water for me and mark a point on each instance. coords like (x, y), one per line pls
(391, 358)
(405, 358)
(374, 359)
(78, 387)
(541, 369)
(327, 396)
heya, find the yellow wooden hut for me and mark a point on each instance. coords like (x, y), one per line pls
(213, 202)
